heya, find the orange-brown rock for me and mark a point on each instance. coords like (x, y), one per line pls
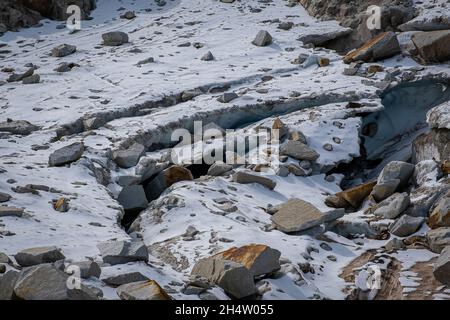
(142, 290)
(382, 46)
(356, 195)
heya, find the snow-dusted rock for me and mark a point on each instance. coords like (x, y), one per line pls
(406, 225)
(219, 168)
(124, 278)
(441, 268)
(63, 50)
(299, 151)
(262, 39)
(19, 127)
(66, 155)
(438, 239)
(439, 117)
(433, 46)
(396, 170)
(33, 256)
(245, 178)
(427, 172)
(297, 215)
(127, 158)
(120, 252)
(440, 216)
(115, 38)
(393, 206)
(87, 269)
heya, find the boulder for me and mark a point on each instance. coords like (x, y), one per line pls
(35, 78)
(382, 46)
(147, 167)
(352, 228)
(133, 198)
(432, 146)
(33, 256)
(383, 190)
(219, 168)
(438, 239)
(7, 283)
(165, 179)
(393, 206)
(427, 172)
(262, 39)
(63, 50)
(439, 117)
(208, 56)
(227, 97)
(235, 279)
(356, 195)
(423, 199)
(321, 38)
(66, 155)
(396, 170)
(433, 46)
(4, 258)
(440, 216)
(19, 127)
(259, 259)
(142, 290)
(88, 269)
(127, 158)
(121, 279)
(406, 225)
(4, 197)
(441, 268)
(297, 215)
(114, 38)
(299, 151)
(121, 252)
(246, 178)
(7, 211)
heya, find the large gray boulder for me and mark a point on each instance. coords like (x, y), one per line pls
(438, 239)
(433, 46)
(385, 189)
(127, 158)
(427, 172)
(7, 283)
(406, 225)
(393, 206)
(298, 215)
(396, 170)
(246, 178)
(299, 151)
(120, 252)
(129, 277)
(142, 290)
(33, 256)
(19, 127)
(133, 198)
(234, 278)
(441, 268)
(66, 155)
(115, 38)
(382, 46)
(88, 269)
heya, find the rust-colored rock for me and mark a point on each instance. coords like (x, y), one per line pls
(356, 195)
(382, 46)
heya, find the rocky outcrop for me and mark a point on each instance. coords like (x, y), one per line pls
(433, 46)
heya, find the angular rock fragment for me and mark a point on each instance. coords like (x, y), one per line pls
(125, 278)
(438, 239)
(219, 168)
(115, 38)
(227, 97)
(142, 290)
(299, 151)
(88, 269)
(356, 195)
(393, 206)
(66, 155)
(7, 283)
(208, 56)
(245, 178)
(396, 170)
(262, 39)
(120, 252)
(382, 46)
(133, 198)
(441, 268)
(440, 216)
(63, 50)
(406, 225)
(19, 127)
(127, 158)
(433, 46)
(33, 256)
(7, 211)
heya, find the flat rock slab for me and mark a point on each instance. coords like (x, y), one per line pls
(120, 252)
(246, 178)
(33, 256)
(125, 278)
(66, 155)
(142, 290)
(297, 215)
(8, 211)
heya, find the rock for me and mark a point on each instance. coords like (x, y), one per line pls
(406, 225)
(66, 155)
(383, 190)
(208, 56)
(334, 201)
(120, 252)
(227, 97)
(297, 215)
(395, 244)
(35, 78)
(8, 211)
(285, 25)
(321, 38)
(393, 206)
(46, 282)
(396, 170)
(423, 199)
(165, 179)
(4, 259)
(127, 158)
(441, 268)
(299, 151)
(143, 290)
(432, 146)
(323, 62)
(262, 39)
(219, 168)
(7, 283)
(4, 197)
(438, 239)
(66, 67)
(298, 136)
(125, 278)
(356, 195)
(351, 229)
(433, 46)
(129, 15)
(88, 269)
(235, 279)
(427, 171)
(259, 259)
(382, 46)
(245, 178)
(115, 38)
(146, 61)
(297, 170)
(440, 216)
(190, 94)
(62, 205)
(283, 129)
(19, 77)
(133, 198)
(147, 167)
(33, 256)
(128, 180)
(19, 127)
(439, 117)
(63, 50)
